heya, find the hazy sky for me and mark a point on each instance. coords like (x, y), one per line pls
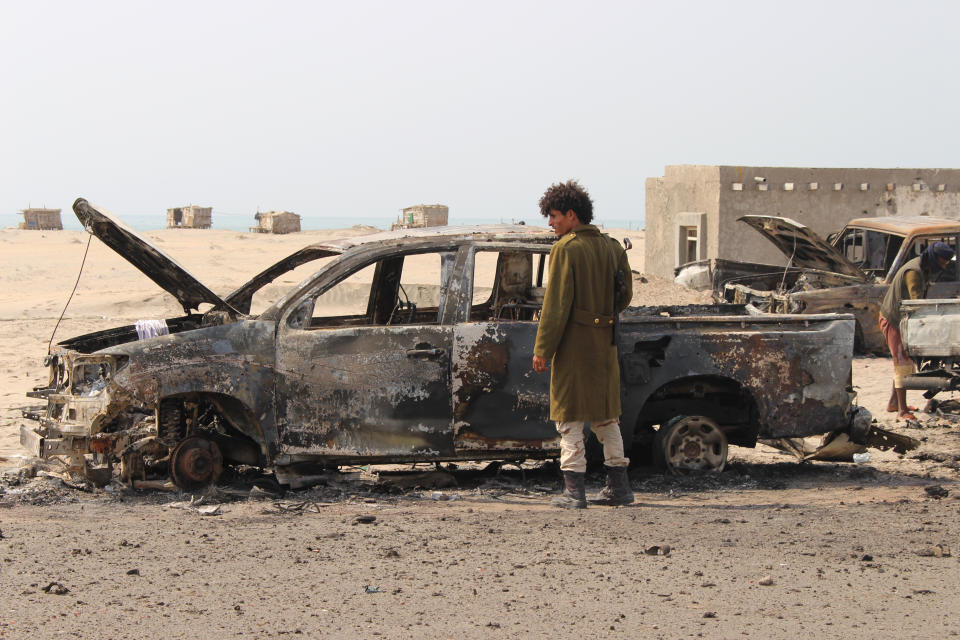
(361, 108)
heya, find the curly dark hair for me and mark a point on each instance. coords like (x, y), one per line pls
(564, 196)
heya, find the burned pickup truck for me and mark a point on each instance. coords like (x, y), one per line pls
(413, 345)
(931, 336)
(848, 274)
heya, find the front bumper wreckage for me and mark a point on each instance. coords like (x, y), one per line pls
(69, 426)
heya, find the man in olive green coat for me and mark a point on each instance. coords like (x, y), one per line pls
(576, 331)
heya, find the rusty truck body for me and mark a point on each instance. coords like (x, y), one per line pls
(850, 273)
(395, 351)
(931, 335)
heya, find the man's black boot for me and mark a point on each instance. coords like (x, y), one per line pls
(574, 491)
(618, 489)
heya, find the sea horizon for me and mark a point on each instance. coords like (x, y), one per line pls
(243, 222)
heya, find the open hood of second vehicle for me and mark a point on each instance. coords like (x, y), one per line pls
(153, 262)
(803, 247)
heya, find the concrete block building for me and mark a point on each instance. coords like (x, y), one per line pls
(692, 210)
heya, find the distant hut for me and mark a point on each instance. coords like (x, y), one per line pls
(276, 222)
(422, 215)
(191, 217)
(41, 219)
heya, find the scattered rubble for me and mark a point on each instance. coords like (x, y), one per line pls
(936, 491)
(42, 482)
(56, 589)
(935, 551)
(658, 550)
(404, 481)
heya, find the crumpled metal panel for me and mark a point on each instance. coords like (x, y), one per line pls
(796, 371)
(365, 391)
(783, 386)
(150, 260)
(499, 402)
(931, 328)
(801, 246)
(234, 361)
(863, 301)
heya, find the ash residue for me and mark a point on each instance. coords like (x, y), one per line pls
(491, 481)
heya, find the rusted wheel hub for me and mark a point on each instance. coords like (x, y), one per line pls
(195, 463)
(692, 443)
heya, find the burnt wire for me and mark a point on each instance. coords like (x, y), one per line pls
(786, 269)
(82, 262)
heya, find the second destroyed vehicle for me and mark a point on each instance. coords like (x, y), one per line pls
(414, 345)
(931, 335)
(848, 274)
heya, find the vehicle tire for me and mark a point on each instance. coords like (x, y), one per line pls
(690, 443)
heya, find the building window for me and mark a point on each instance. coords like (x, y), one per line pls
(864, 186)
(838, 186)
(814, 186)
(689, 244)
(788, 186)
(690, 239)
(738, 186)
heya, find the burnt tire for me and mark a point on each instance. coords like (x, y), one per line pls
(687, 444)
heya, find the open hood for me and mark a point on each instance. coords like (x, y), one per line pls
(802, 247)
(153, 262)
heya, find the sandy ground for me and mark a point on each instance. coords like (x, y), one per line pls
(768, 548)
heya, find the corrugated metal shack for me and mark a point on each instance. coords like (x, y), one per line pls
(41, 219)
(190, 217)
(422, 215)
(276, 222)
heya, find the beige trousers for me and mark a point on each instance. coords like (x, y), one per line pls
(573, 455)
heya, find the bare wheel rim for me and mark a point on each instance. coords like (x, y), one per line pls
(695, 443)
(195, 463)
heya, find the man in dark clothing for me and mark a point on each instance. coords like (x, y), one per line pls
(910, 283)
(576, 332)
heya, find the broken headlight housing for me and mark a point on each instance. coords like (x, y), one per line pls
(90, 374)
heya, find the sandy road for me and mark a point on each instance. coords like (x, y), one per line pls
(841, 553)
